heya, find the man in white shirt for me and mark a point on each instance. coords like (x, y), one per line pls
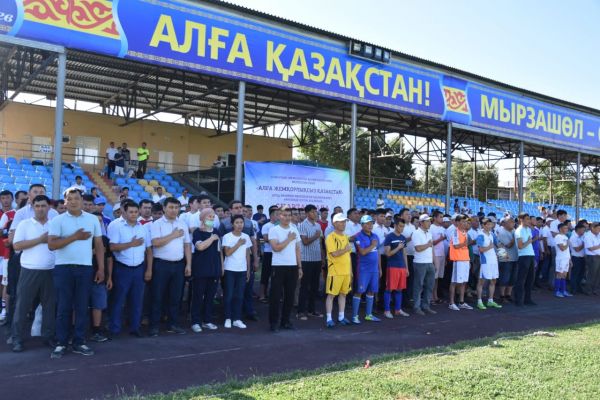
(159, 196)
(381, 231)
(409, 229)
(287, 269)
(111, 151)
(591, 240)
(35, 279)
(184, 199)
(438, 235)
(172, 263)
(79, 184)
(548, 243)
(71, 235)
(423, 268)
(577, 248)
(192, 217)
(561, 217)
(472, 234)
(131, 246)
(13, 266)
(265, 273)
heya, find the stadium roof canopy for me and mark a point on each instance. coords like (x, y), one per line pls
(187, 57)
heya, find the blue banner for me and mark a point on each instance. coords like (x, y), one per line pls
(201, 38)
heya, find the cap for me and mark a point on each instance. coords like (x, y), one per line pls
(100, 200)
(389, 215)
(549, 219)
(117, 205)
(424, 217)
(445, 219)
(339, 217)
(365, 219)
(492, 218)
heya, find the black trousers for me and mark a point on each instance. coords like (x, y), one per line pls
(283, 279)
(309, 286)
(522, 288)
(142, 167)
(409, 283)
(14, 270)
(111, 168)
(382, 282)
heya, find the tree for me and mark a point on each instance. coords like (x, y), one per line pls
(332, 148)
(563, 186)
(462, 179)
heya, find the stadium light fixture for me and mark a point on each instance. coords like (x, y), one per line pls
(387, 55)
(378, 54)
(369, 52)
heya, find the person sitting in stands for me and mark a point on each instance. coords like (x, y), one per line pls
(159, 196)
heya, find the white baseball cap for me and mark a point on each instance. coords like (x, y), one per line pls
(424, 217)
(339, 217)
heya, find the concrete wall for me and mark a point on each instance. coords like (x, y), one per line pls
(19, 123)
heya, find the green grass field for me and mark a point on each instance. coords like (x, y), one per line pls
(518, 366)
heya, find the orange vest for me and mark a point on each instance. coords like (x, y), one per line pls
(461, 254)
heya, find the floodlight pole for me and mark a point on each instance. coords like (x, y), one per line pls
(448, 165)
(370, 157)
(353, 153)
(521, 171)
(239, 152)
(578, 188)
(58, 123)
(427, 169)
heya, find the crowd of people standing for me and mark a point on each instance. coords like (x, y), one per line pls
(65, 261)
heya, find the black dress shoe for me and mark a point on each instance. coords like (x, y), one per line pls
(288, 326)
(18, 347)
(252, 317)
(274, 328)
(51, 343)
(530, 303)
(153, 332)
(136, 334)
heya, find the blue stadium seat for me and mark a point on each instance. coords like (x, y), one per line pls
(11, 160)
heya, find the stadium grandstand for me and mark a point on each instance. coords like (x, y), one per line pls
(181, 101)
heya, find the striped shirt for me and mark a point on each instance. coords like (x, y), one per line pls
(312, 252)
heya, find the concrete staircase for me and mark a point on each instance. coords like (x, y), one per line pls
(105, 185)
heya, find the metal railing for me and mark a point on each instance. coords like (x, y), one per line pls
(380, 182)
(70, 154)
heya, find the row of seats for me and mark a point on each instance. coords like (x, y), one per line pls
(396, 200)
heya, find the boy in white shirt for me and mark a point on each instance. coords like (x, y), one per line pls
(236, 247)
(563, 261)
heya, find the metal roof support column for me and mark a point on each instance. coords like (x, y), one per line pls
(239, 152)
(578, 188)
(58, 123)
(353, 154)
(448, 165)
(521, 172)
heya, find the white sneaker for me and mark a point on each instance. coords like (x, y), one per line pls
(209, 326)
(453, 307)
(228, 323)
(388, 314)
(196, 328)
(239, 324)
(402, 313)
(465, 306)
